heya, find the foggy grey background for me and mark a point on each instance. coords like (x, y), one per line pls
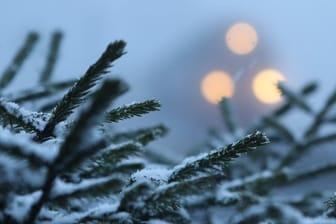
(172, 45)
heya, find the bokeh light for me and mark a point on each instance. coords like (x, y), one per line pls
(265, 86)
(216, 85)
(241, 38)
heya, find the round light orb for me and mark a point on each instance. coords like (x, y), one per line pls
(241, 38)
(265, 86)
(216, 85)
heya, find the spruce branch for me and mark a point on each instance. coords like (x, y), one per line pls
(178, 216)
(225, 108)
(21, 153)
(320, 140)
(158, 158)
(41, 91)
(309, 174)
(71, 152)
(135, 109)
(294, 98)
(304, 92)
(78, 93)
(52, 57)
(110, 90)
(216, 160)
(106, 162)
(128, 168)
(89, 188)
(318, 121)
(49, 106)
(331, 203)
(134, 195)
(143, 136)
(11, 114)
(18, 60)
(168, 198)
(279, 128)
(267, 179)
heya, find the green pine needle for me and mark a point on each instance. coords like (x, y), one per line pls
(40, 92)
(143, 136)
(88, 118)
(135, 109)
(20, 153)
(225, 107)
(18, 60)
(79, 92)
(216, 160)
(294, 98)
(331, 203)
(168, 198)
(99, 188)
(279, 128)
(320, 117)
(52, 57)
(106, 162)
(304, 92)
(10, 115)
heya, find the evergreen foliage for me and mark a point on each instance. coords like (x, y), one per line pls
(65, 165)
(253, 181)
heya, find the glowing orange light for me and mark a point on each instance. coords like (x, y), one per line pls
(241, 38)
(265, 86)
(216, 85)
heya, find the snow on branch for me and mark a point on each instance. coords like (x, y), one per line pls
(79, 92)
(18, 118)
(216, 160)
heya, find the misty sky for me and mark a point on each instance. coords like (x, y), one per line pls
(172, 44)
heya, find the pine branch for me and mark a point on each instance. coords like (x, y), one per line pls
(288, 105)
(18, 60)
(89, 188)
(78, 93)
(294, 178)
(110, 90)
(318, 121)
(260, 183)
(21, 152)
(49, 106)
(41, 91)
(305, 91)
(158, 158)
(330, 119)
(52, 57)
(173, 217)
(71, 152)
(128, 168)
(19, 119)
(320, 140)
(216, 160)
(169, 197)
(135, 109)
(279, 128)
(105, 163)
(143, 136)
(294, 98)
(331, 203)
(225, 108)
(267, 180)
(134, 195)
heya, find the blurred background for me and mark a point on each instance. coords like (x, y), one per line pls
(181, 51)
